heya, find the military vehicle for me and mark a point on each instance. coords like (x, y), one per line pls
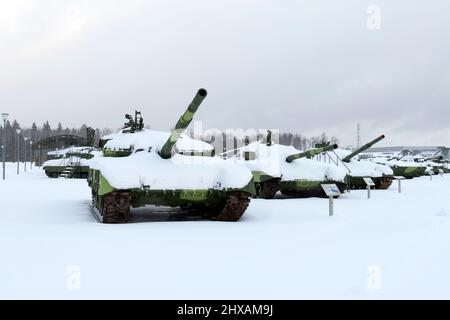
(282, 168)
(446, 167)
(141, 167)
(381, 175)
(69, 163)
(403, 167)
(442, 159)
(434, 164)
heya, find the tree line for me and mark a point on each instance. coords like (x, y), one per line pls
(35, 133)
(223, 142)
(32, 135)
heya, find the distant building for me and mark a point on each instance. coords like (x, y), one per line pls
(414, 149)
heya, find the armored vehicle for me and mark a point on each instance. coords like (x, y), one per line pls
(381, 175)
(434, 164)
(141, 167)
(69, 163)
(401, 166)
(282, 168)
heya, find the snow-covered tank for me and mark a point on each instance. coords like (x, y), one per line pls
(141, 167)
(72, 162)
(446, 167)
(380, 174)
(282, 168)
(434, 163)
(402, 166)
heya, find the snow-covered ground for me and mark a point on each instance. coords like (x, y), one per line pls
(391, 246)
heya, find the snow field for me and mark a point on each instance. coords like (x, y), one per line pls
(391, 246)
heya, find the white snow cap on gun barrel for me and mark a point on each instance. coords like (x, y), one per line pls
(166, 151)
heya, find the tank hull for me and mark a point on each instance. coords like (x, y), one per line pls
(224, 205)
(409, 172)
(381, 183)
(307, 188)
(80, 172)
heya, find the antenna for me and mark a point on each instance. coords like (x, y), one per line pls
(358, 136)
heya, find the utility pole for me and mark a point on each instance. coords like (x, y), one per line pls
(358, 136)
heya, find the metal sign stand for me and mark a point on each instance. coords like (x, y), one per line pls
(330, 206)
(331, 190)
(399, 179)
(369, 183)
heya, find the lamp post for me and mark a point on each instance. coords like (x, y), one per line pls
(5, 118)
(31, 157)
(18, 153)
(25, 154)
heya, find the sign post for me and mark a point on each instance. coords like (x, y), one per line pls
(399, 179)
(330, 206)
(369, 183)
(331, 190)
(431, 175)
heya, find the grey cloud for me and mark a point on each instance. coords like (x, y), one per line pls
(295, 65)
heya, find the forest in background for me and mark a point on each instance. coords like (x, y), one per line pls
(36, 133)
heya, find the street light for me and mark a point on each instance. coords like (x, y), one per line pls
(5, 118)
(18, 153)
(25, 154)
(31, 158)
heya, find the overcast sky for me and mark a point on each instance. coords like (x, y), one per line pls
(304, 66)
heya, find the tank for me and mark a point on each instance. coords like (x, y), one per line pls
(69, 163)
(446, 167)
(401, 166)
(282, 168)
(380, 174)
(142, 167)
(434, 163)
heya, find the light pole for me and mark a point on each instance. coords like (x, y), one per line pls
(18, 153)
(31, 158)
(5, 118)
(25, 154)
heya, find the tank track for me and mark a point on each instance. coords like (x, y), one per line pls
(232, 209)
(302, 194)
(267, 189)
(51, 174)
(115, 208)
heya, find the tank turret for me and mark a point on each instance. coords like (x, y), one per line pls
(310, 153)
(182, 124)
(363, 148)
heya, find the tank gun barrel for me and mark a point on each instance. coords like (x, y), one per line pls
(363, 148)
(434, 158)
(182, 124)
(310, 153)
